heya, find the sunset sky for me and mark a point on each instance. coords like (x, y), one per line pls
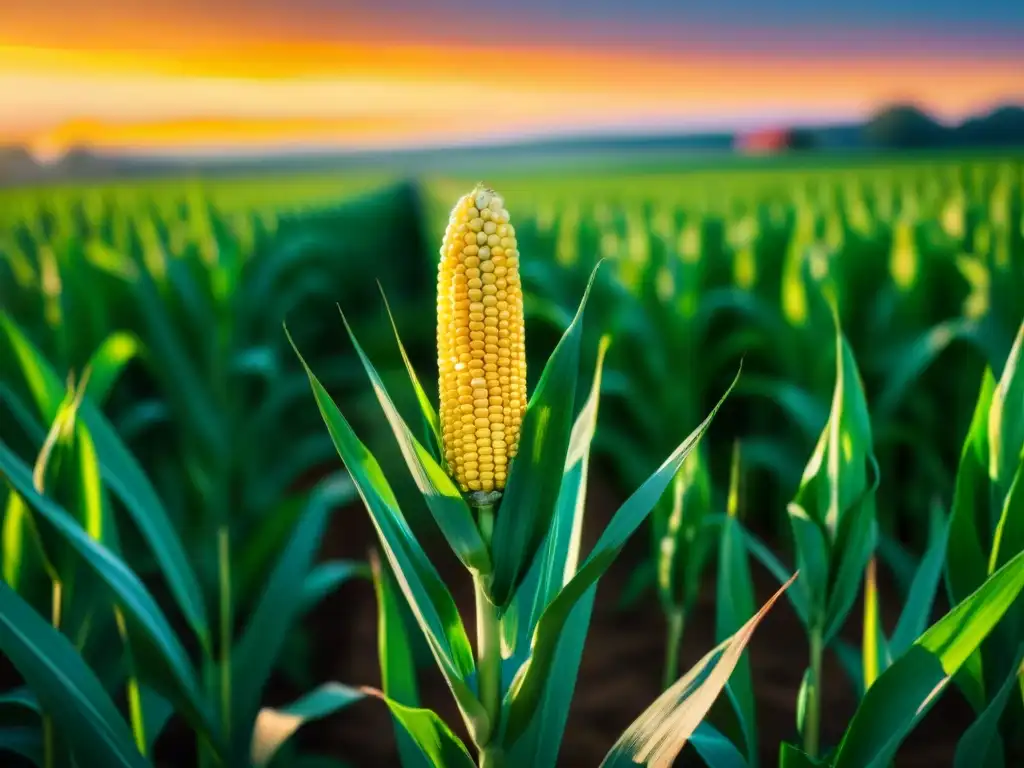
(203, 75)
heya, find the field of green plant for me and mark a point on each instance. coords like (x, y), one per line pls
(807, 370)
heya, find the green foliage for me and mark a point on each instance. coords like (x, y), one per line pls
(275, 726)
(561, 586)
(96, 601)
(901, 695)
(552, 568)
(144, 379)
(67, 689)
(535, 479)
(660, 733)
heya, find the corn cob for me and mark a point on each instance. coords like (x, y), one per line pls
(480, 351)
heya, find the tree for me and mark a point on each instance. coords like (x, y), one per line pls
(904, 127)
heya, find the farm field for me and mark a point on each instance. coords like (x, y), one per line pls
(182, 542)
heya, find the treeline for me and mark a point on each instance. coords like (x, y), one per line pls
(906, 126)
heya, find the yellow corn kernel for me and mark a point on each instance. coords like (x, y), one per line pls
(481, 355)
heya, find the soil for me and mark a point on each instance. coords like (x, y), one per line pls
(621, 668)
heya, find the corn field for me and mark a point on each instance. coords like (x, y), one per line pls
(680, 384)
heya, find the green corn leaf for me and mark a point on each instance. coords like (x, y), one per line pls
(1007, 542)
(16, 540)
(78, 471)
(122, 474)
(811, 556)
(542, 734)
(970, 678)
(24, 741)
(107, 362)
(1006, 418)
(109, 260)
(980, 746)
(259, 362)
(715, 749)
(531, 678)
(908, 362)
(440, 747)
(966, 563)
(561, 555)
(918, 607)
(553, 568)
(46, 388)
(735, 605)
(660, 733)
(20, 708)
(682, 543)
(874, 649)
(132, 596)
(791, 756)
(86, 480)
(93, 512)
(853, 547)
(67, 459)
(904, 693)
(141, 416)
(431, 422)
(446, 504)
(535, 475)
(156, 712)
(185, 387)
(20, 698)
(67, 689)
(835, 478)
(397, 665)
(1009, 534)
(277, 609)
(428, 597)
(275, 726)
(326, 577)
(22, 562)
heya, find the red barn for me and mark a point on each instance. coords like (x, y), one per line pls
(770, 140)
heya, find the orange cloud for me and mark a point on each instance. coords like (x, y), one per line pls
(197, 93)
(231, 133)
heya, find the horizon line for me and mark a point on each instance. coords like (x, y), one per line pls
(280, 149)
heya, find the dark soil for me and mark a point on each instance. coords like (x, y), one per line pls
(622, 664)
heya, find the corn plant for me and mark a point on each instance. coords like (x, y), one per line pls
(184, 298)
(692, 288)
(978, 645)
(926, 260)
(197, 293)
(505, 481)
(170, 296)
(81, 627)
(832, 519)
(665, 312)
(986, 530)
